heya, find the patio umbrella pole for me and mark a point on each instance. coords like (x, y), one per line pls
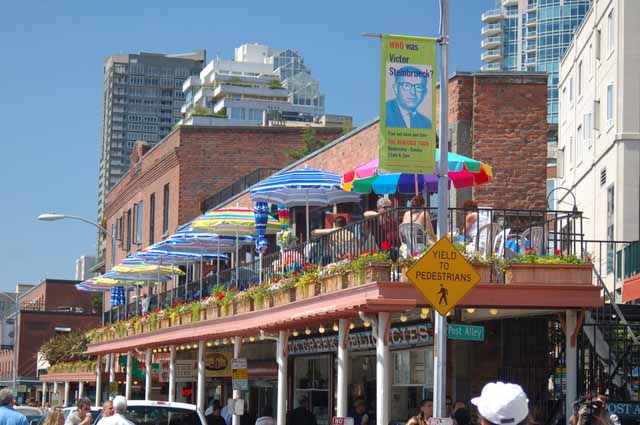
(236, 261)
(260, 268)
(201, 259)
(218, 264)
(307, 213)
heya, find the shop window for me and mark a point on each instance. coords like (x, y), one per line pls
(412, 381)
(312, 381)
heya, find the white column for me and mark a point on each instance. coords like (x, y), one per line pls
(172, 373)
(66, 393)
(383, 360)
(80, 389)
(147, 374)
(571, 361)
(127, 390)
(200, 394)
(282, 354)
(343, 368)
(113, 361)
(44, 394)
(237, 347)
(98, 380)
(55, 391)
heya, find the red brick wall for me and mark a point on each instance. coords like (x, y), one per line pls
(510, 133)
(52, 294)
(36, 328)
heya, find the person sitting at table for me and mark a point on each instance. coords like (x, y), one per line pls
(343, 239)
(421, 216)
(473, 221)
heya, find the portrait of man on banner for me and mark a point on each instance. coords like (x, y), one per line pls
(408, 99)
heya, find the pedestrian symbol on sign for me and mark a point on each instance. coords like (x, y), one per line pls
(443, 294)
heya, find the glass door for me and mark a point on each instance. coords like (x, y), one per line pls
(311, 381)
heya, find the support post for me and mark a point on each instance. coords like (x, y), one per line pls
(44, 394)
(147, 374)
(440, 322)
(282, 355)
(80, 389)
(172, 373)
(67, 386)
(55, 395)
(237, 347)
(571, 362)
(127, 388)
(383, 365)
(343, 368)
(113, 360)
(200, 395)
(98, 381)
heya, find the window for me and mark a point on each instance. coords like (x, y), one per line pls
(138, 213)
(588, 133)
(165, 209)
(560, 164)
(152, 218)
(590, 61)
(571, 91)
(114, 235)
(579, 147)
(611, 31)
(598, 37)
(609, 104)
(128, 231)
(579, 79)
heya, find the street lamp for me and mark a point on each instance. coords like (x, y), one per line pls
(568, 191)
(56, 217)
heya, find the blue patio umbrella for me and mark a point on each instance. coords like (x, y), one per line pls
(303, 187)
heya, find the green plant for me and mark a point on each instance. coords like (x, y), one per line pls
(65, 348)
(311, 143)
(195, 311)
(275, 84)
(365, 258)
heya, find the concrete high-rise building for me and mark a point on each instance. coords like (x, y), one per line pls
(531, 35)
(142, 97)
(84, 264)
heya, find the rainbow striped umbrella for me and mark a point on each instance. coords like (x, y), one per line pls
(232, 222)
(143, 269)
(463, 172)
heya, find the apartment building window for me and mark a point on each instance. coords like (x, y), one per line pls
(579, 79)
(588, 129)
(589, 59)
(165, 209)
(152, 218)
(114, 235)
(611, 31)
(138, 210)
(579, 147)
(609, 104)
(120, 230)
(128, 231)
(560, 164)
(598, 41)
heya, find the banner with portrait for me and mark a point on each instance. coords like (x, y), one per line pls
(408, 105)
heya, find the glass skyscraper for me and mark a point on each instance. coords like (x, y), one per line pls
(531, 35)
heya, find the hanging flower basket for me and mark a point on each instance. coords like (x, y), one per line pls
(371, 272)
(545, 274)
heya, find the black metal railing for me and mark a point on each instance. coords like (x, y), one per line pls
(237, 187)
(402, 232)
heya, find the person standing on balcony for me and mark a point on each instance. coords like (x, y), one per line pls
(473, 221)
(386, 232)
(421, 216)
(144, 304)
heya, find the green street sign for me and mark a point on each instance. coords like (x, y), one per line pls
(465, 332)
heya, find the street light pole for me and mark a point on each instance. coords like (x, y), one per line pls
(56, 217)
(16, 341)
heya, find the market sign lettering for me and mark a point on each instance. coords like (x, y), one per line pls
(421, 334)
(624, 409)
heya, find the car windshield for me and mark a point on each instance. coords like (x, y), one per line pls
(161, 415)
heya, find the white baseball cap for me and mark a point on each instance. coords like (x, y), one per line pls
(502, 404)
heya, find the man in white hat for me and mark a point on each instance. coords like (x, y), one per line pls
(502, 404)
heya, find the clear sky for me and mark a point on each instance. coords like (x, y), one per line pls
(51, 84)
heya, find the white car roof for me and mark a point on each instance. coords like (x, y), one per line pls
(159, 403)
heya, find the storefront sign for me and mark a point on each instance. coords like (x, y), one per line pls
(186, 370)
(440, 421)
(407, 104)
(218, 364)
(402, 336)
(443, 276)
(465, 332)
(341, 421)
(240, 374)
(624, 409)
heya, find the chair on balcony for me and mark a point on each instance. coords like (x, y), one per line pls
(535, 236)
(412, 238)
(485, 240)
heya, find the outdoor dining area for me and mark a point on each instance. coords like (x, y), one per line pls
(311, 232)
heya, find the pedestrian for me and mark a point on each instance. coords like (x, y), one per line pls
(226, 415)
(502, 404)
(82, 415)
(107, 409)
(599, 415)
(144, 304)
(266, 417)
(426, 412)
(246, 418)
(301, 415)
(214, 417)
(8, 415)
(119, 409)
(359, 413)
(461, 416)
(55, 417)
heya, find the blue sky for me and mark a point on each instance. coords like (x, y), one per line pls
(51, 84)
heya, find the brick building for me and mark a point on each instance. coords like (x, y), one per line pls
(496, 118)
(52, 307)
(168, 185)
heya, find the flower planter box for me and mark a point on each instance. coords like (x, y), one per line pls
(165, 323)
(226, 310)
(307, 291)
(212, 311)
(185, 318)
(260, 303)
(484, 270)
(334, 282)
(371, 272)
(284, 296)
(203, 313)
(549, 274)
(244, 305)
(130, 332)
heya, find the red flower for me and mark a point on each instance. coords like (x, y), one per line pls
(364, 252)
(156, 310)
(294, 273)
(385, 245)
(529, 251)
(219, 295)
(557, 252)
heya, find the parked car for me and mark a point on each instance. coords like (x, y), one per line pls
(147, 412)
(34, 415)
(95, 412)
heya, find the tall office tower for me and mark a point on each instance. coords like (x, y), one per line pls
(531, 35)
(142, 99)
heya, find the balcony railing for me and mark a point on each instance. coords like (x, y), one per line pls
(495, 66)
(492, 15)
(491, 55)
(400, 234)
(236, 187)
(491, 29)
(491, 42)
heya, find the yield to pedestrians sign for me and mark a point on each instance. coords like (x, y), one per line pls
(443, 276)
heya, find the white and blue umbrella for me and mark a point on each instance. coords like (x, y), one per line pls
(303, 187)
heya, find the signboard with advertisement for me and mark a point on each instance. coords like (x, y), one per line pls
(399, 336)
(407, 104)
(218, 364)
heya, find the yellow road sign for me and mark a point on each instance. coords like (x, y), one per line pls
(240, 374)
(443, 276)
